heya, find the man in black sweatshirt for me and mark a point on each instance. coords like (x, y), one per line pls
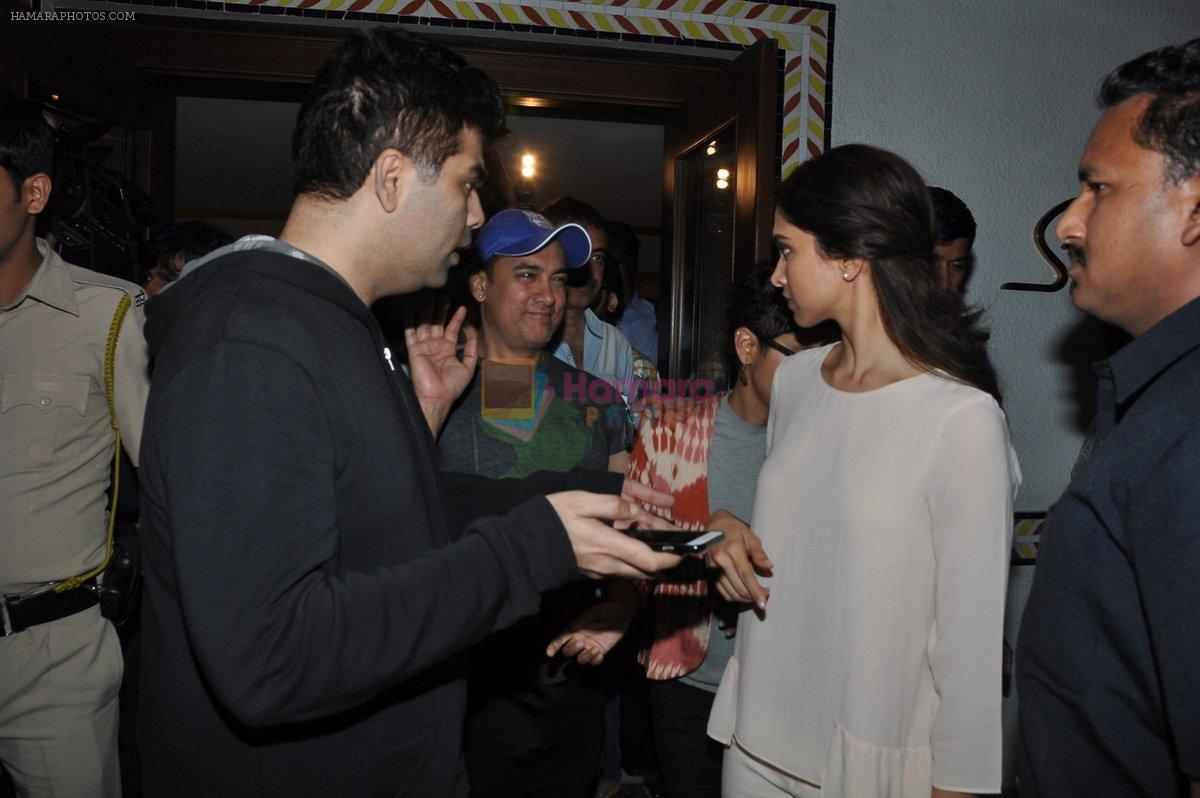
(311, 577)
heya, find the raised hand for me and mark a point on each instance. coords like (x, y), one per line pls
(438, 375)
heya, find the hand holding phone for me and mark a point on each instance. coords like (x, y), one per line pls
(677, 541)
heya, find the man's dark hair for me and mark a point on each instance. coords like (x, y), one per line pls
(760, 307)
(387, 88)
(613, 283)
(568, 209)
(953, 217)
(623, 245)
(184, 240)
(1171, 122)
(26, 140)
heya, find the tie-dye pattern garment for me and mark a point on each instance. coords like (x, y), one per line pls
(671, 454)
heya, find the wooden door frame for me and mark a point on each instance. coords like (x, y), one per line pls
(166, 57)
(280, 60)
(722, 101)
(727, 91)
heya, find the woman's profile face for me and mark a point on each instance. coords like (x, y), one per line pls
(811, 283)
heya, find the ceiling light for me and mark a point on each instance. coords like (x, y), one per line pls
(722, 184)
(722, 174)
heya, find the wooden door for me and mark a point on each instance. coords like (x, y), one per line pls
(719, 170)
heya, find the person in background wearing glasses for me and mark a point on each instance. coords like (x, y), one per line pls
(584, 341)
(638, 318)
(171, 247)
(608, 307)
(723, 440)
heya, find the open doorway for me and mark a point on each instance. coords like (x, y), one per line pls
(614, 165)
(616, 127)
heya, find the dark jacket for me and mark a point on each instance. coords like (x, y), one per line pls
(307, 591)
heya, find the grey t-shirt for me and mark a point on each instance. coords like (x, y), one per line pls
(553, 418)
(735, 457)
(572, 420)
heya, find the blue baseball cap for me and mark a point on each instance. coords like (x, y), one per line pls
(518, 232)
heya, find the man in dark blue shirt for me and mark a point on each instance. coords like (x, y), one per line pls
(1109, 656)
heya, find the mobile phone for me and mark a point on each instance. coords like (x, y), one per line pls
(677, 540)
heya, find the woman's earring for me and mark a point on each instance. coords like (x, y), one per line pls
(742, 377)
(846, 276)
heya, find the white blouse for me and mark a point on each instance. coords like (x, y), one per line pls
(888, 516)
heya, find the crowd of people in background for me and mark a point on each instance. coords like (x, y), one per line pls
(407, 559)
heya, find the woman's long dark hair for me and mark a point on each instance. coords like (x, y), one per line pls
(860, 202)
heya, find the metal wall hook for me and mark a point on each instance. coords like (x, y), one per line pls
(1039, 241)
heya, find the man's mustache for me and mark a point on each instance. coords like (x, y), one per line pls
(1075, 255)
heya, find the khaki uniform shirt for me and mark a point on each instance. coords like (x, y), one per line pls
(56, 441)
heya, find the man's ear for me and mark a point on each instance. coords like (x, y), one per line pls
(478, 284)
(392, 175)
(1191, 228)
(35, 193)
(745, 343)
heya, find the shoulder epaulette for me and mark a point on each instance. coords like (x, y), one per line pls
(88, 277)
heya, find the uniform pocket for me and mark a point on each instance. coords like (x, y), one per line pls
(39, 413)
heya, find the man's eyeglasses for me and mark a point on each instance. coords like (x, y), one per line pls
(771, 343)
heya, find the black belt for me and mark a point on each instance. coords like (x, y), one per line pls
(18, 613)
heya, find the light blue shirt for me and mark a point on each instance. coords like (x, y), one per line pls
(639, 323)
(606, 354)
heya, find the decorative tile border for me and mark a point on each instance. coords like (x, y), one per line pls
(803, 31)
(1027, 535)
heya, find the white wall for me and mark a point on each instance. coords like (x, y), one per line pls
(993, 100)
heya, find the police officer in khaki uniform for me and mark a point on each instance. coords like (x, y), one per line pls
(60, 661)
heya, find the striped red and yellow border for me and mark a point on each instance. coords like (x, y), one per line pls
(803, 34)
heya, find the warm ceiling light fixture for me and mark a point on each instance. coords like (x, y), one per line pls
(722, 184)
(722, 174)
(712, 148)
(528, 165)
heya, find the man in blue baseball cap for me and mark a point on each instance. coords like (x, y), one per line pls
(524, 261)
(535, 723)
(516, 232)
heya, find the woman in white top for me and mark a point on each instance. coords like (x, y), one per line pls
(885, 505)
